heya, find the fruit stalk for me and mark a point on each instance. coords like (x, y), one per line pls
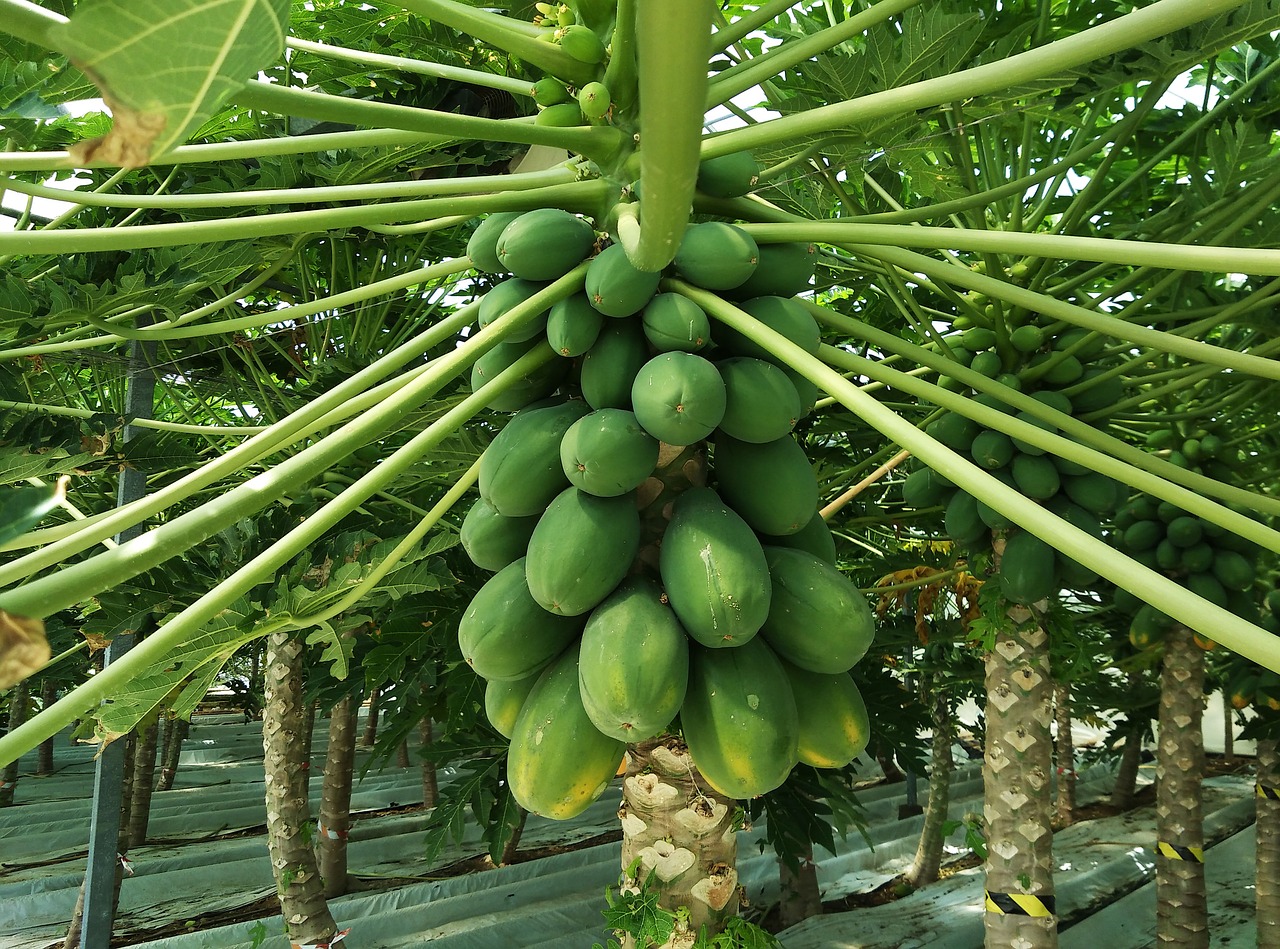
(673, 42)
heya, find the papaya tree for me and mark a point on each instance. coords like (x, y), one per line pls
(625, 240)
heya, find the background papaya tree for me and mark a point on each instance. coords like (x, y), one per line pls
(858, 92)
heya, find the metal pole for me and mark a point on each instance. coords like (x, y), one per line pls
(104, 828)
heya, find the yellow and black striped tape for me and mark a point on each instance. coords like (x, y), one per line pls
(1175, 852)
(1272, 794)
(1021, 904)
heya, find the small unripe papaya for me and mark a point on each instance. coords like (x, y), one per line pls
(581, 43)
(564, 115)
(728, 176)
(550, 91)
(594, 100)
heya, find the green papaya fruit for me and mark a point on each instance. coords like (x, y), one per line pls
(530, 387)
(834, 725)
(1027, 572)
(505, 297)
(520, 472)
(784, 315)
(815, 538)
(761, 404)
(492, 540)
(503, 699)
(505, 634)
(817, 618)
(714, 571)
(607, 453)
(673, 322)
(771, 485)
(728, 176)
(582, 43)
(610, 366)
(678, 397)
(633, 665)
(581, 549)
(716, 255)
(482, 246)
(784, 270)
(573, 325)
(559, 762)
(740, 719)
(615, 287)
(545, 244)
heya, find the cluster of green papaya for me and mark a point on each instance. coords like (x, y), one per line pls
(561, 103)
(1207, 559)
(639, 584)
(1063, 373)
(1249, 684)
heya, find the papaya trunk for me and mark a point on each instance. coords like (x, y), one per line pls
(308, 741)
(293, 862)
(371, 723)
(44, 758)
(402, 755)
(430, 783)
(1016, 793)
(801, 897)
(172, 753)
(1228, 730)
(335, 798)
(681, 832)
(1181, 908)
(1066, 753)
(1268, 852)
(1130, 754)
(512, 846)
(928, 859)
(17, 715)
(144, 770)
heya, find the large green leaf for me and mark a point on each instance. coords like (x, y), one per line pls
(165, 66)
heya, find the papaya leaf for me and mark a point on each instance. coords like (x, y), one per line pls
(165, 66)
(338, 649)
(199, 660)
(23, 508)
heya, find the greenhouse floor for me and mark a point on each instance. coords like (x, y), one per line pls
(207, 864)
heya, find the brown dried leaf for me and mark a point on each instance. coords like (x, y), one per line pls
(129, 142)
(23, 648)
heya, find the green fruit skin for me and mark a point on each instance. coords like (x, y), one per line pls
(728, 176)
(783, 271)
(1036, 476)
(615, 287)
(545, 244)
(594, 100)
(834, 725)
(771, 485)
(716, 256)
(538, 384)
(633, 667)
(781, 314)
(607, 453)
(674, 322)
(740, 719)
(814, 538)
(962, 521)
(482, 247)
(520, 473)
(610, 366)
(817, 618)
(503, 700)
(503, 298)
(549, 91)
(505, 634)
(922, 489)
(559, 762)
(491, 540)
(992, 449)
(714, 571)
(564, 115)
(1027, 569)
(678, 397)
(581, 43)
(581, 549)
(761, 404)
(573, 325)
